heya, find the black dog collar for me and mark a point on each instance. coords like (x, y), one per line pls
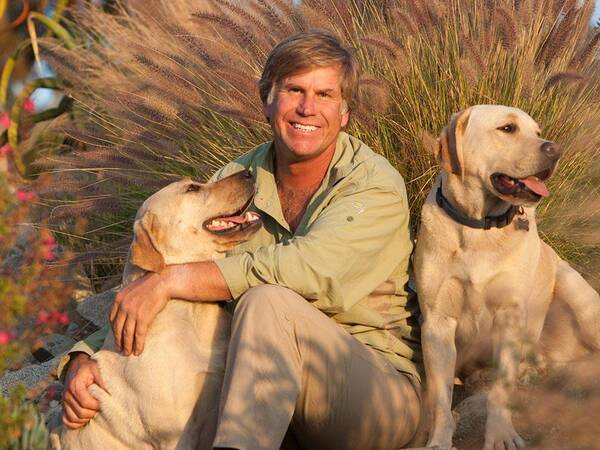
(485, 224)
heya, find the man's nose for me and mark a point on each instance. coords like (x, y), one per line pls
(306, 105)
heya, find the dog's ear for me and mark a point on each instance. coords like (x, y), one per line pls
(449, 146)
(144, 253)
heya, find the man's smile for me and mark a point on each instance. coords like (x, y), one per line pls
(304, 127)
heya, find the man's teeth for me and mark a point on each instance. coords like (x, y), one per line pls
(300, 127)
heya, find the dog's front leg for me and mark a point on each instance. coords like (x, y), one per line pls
(439, 353)
(507, 332)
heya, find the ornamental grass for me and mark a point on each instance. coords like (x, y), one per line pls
(169, 89)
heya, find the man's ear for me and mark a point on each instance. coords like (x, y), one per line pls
(449, 150)
(345, 112)
(144, 252)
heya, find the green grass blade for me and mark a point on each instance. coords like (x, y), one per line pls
(15, 113)
(54, 26)
(7, 71)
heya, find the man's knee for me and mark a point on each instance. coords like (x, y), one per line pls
(267, 299)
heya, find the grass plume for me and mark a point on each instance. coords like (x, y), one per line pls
(159, 99)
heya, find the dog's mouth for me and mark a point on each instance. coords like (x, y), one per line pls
(238, 221)
(531, 188)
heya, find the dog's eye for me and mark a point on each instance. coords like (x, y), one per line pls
(193, 188)
(509, 128)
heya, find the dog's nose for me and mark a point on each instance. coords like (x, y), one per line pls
(551, 150)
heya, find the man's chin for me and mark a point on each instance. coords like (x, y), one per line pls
(303, 152)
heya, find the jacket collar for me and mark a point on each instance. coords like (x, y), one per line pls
(345, 158)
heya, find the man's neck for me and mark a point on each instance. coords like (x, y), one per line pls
(302, 174)
(297, 182)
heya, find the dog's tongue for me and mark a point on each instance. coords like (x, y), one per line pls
(536, 185)
(234, 219)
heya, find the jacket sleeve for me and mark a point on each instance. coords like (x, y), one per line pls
(350, 249)
(89, 346)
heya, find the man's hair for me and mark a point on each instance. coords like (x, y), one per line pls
(309, 50)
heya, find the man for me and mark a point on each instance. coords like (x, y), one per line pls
(324, 335)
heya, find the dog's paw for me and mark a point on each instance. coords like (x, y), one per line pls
(502, 435)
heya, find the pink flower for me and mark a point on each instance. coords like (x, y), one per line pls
(42, 317)
(60, 318)
(25, 196)
(6, 149)
(51, 393)
(29, 106)
(49, 248)
(6, 336)
(5, 120)
(48, 253)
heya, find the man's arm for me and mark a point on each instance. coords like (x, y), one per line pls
(355, 244)
(88, 346)
(352, 248)
(136, 305)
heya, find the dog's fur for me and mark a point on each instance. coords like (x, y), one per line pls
(168, 396)
(485, 293)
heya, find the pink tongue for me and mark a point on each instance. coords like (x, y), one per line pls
(234, 219)
(536, 186)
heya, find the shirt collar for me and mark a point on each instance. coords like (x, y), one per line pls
(344, 160)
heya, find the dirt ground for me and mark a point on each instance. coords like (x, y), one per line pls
(556, 410)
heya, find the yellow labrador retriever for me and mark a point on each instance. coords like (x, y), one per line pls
(486, 282)
(167, 397)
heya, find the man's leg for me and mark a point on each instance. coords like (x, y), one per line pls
(289, 363)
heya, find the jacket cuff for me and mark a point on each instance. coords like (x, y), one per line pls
(79, 347)
(233, 268)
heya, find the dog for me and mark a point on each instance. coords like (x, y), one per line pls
(487, 284)
(168, 396)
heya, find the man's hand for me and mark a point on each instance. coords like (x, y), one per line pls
(79, 406)
(135, 308)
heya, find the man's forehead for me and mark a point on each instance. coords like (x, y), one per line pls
(327, 77)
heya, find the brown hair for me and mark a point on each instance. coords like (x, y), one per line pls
(306, 50)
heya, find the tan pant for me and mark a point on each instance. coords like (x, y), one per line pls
(288, 363)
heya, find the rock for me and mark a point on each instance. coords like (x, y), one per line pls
(54, 416)
(28, 376)
(471, 414)
(96, 308)
(51, 346)
(82, 286)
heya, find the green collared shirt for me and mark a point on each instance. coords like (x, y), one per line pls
(349, 254)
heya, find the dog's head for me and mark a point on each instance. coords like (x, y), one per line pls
(188, 221)
(500, 147)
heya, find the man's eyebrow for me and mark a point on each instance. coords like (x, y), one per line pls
(289, 85)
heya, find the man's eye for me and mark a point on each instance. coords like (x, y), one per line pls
(324, 95)
(508, 128)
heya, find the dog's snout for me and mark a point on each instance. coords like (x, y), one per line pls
(551, 150)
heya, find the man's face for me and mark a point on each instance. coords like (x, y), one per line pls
(307, 113)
